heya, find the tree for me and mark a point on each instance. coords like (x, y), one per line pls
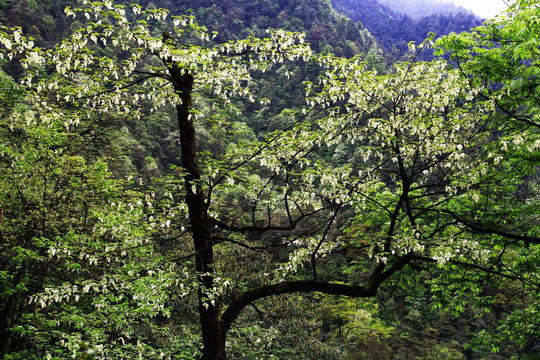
(86, 82)
(70, 236)
(428, 164)
(501, 57)
(447, 172)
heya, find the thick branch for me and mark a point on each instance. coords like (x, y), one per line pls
(380, 274)
(356, 291)
(260, 292)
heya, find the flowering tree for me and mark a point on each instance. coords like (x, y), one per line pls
(422, 173)
(72, 240)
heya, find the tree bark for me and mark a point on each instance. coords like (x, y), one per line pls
(213, 338)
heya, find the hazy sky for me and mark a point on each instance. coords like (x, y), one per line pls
(484, 8)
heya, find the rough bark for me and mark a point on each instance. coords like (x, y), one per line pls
(213, 339)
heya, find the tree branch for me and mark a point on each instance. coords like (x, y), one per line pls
(268, 227)
(251, 295)
(527, 239)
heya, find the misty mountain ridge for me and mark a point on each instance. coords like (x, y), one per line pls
(394, 30)
(418, 9)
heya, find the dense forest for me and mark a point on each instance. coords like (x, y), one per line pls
(394, 30)
(268, 179)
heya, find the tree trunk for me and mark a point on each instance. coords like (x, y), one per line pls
(212, 336)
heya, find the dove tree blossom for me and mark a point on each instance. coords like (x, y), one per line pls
(427, 176)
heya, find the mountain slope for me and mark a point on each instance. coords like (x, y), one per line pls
(323, 26)
(393, 31)
(345, 27)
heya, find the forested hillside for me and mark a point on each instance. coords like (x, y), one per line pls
(394, 30)
(374, 27)
(45, 21)
(267, 179)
